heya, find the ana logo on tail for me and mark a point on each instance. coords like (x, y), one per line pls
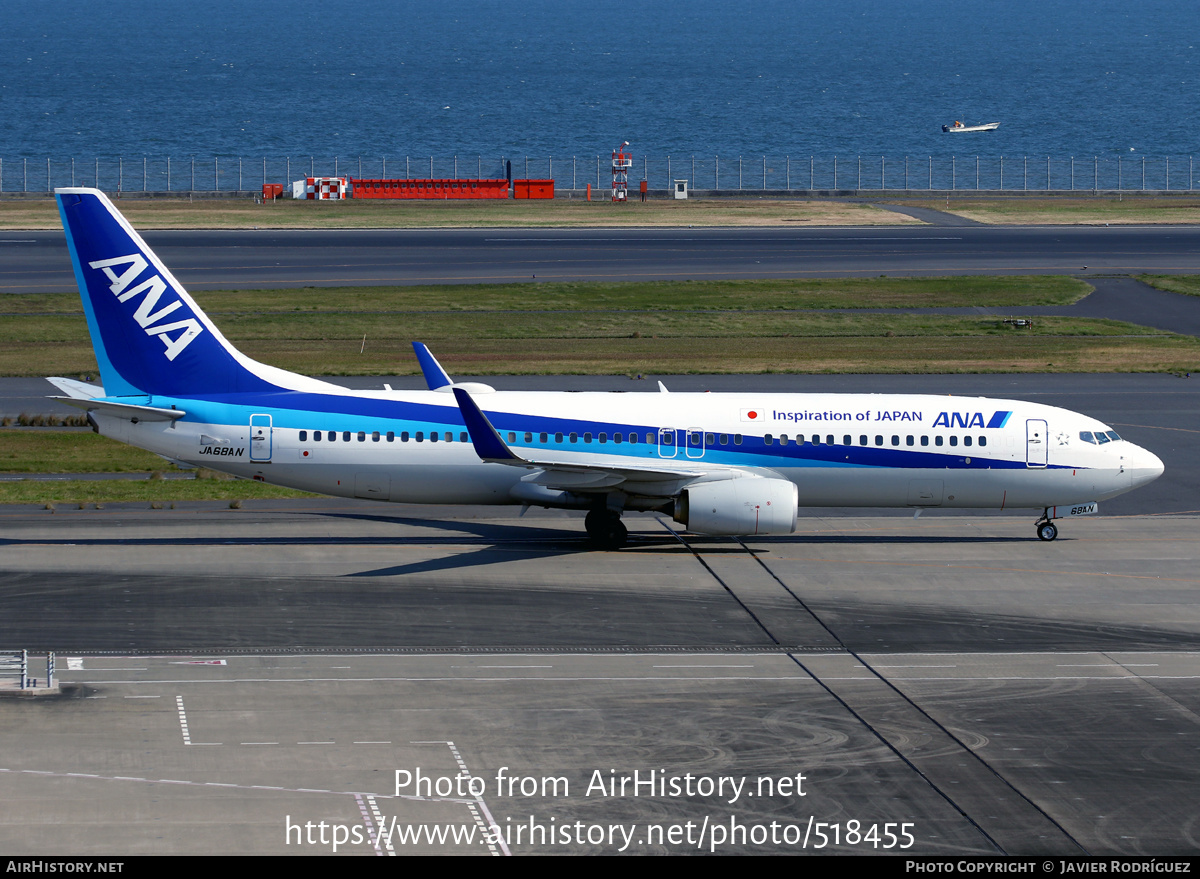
(152, 289)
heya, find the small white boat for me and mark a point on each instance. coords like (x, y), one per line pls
(958, 126)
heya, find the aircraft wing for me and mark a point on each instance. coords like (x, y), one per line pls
(576, 476)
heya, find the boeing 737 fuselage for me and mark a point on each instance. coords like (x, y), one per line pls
(729, 464)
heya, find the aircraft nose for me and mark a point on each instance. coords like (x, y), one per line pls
(1144, 467)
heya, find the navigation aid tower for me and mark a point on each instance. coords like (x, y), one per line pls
(621, 163)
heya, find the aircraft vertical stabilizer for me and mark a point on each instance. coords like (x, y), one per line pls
(150, 336)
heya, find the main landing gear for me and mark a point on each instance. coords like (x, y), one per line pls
(604, 528)
(1046, 530)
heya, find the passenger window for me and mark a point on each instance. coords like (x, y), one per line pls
(878, 440)
(574, 437)
(543, 437)
(737, 439)
(816, 440)
(618, 437)
(333, 436)
(512, 437)
(420, 436)
(528, 437)
(937, 440)
(966, 440)
(924, 440)
(954, 441)
(304, 436)
(375, 437)
(983, 440)
(345, 436)
(391, 436)
(768, 439)
(316, 436)
(650, 438)
(829, 440)
(783, 440)
(909, 441)
(603, 437)
(587, 437)
(847, 440)
(404, 436)
(558, 437)
(433, 437)
(895, 440)
(709, 439)
(724, 439)
(862, 440)
(463, 437)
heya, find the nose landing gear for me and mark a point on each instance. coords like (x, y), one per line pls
(1046, 530)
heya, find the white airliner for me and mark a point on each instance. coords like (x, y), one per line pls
(726, 464)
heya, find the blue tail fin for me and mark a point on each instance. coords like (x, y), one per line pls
(149, 336)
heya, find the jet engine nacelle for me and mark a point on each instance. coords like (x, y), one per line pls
(739, 506)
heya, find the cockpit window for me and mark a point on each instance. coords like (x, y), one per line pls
(1101, 437)
(1086, 436)
(1112, 435)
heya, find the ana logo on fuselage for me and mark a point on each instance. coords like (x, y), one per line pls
(971, 419)
(151, 290)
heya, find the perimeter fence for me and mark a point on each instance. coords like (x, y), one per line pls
(720, 174)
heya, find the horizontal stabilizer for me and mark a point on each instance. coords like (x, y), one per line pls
(123, 410)
(76, 389)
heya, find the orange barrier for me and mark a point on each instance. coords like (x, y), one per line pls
(430, 188)
(533, 189)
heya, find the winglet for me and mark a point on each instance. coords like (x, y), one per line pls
(435, 376)
(488, 445)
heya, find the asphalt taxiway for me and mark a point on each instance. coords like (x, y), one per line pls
(253, 680)
(231, 674)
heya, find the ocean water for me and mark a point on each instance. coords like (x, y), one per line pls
(568, 78)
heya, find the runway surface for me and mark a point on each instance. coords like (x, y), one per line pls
(37, 262)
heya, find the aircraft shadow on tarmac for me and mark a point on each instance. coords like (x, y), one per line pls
(534, 542)
(499, 542)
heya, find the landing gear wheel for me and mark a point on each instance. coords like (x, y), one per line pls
(604, 529)
(593, 522)
(1047, 531)
(617, 535)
